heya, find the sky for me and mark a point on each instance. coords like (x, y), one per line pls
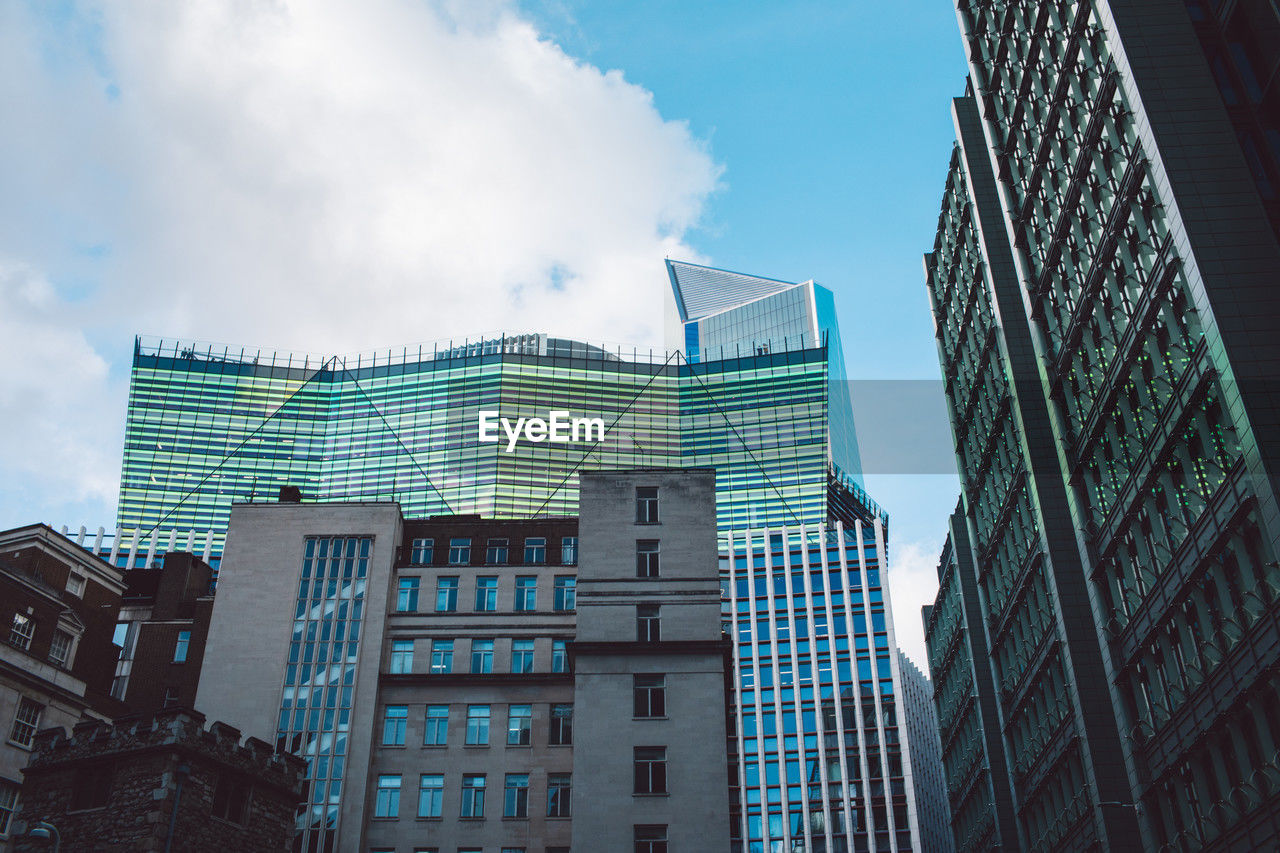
(324, 176)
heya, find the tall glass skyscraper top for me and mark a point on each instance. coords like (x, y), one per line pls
(210, 425)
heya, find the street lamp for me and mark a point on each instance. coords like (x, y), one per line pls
(47, 831)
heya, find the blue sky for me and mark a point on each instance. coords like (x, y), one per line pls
(331, 177)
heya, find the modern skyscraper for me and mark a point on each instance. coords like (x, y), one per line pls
(208, 425)
(1103, 286)
(925, 758)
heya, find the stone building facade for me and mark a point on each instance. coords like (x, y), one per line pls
(160, 783)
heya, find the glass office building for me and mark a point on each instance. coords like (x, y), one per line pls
(821, 738)
(208, 426)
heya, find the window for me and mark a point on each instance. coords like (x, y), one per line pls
(522, 655)
(441, 656)
(566, 589)
(401, 656)
(515, 802)
(519, 725)
(477, 725)
(407, 597)
(569, 551)
(21, 631)
(387, 800)
(422, 552)
(8, 805)
(526, 592)
(496, 553)
(646, 558)
(482, 656)
(535, 550)
(486, 594)
(514, 849)
(559, 795)
(75, 585)
(651, 838)
(648, 626)
(180, 648)
(651, 769)
(91, 788)
(231, 800)
(430, 795)
(171, 697)
(473, 795)
(459, 552)
(561, 725)
(646, 505)
(437, 729)
(26, 722)
(60, 648)
(446, 595)
(394, 721)
(559, 656)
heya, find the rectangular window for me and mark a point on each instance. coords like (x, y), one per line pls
(646, 558)
(519, 725)
(394, 720)
(535, 550)
(522, 655)
(422, 552)
(387, 801)
(459, 552)
(75, 585)
(26, 722)
(231, 799)
(561, 725)
(401, 656)
(650, 695)
(651, 838)
(407, 596)
(651, 769)
(477, 725)
(180, 648)
(569, 551)
(446, 595)
(648, 624)
(515, 802)
(171, 697)
(486, 594)
(21, 631)
(559, 795)
(646, 505)
(430, 795)
(566, 592)
(559, 656)
(526, 593)
(473, 795)
(496, 553)
(60, 648)
(482, 656)
(437, 728)
(8, 805)
(441, 657)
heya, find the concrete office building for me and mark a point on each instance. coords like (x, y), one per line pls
(1103, 285)
(458, 683)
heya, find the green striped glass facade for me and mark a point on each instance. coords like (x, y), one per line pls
(208, 427)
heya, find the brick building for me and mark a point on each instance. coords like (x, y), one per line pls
(160, 783)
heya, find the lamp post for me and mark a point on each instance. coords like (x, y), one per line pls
(46, 830)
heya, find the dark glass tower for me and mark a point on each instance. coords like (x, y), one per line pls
(1104, 289)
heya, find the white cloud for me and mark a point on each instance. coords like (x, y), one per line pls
(913, 583)
(323, 176)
